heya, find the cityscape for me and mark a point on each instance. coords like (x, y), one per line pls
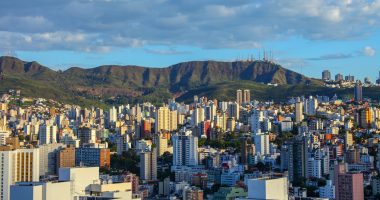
(189, 100)
(314, 147)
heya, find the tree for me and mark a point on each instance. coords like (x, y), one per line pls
(128, 161)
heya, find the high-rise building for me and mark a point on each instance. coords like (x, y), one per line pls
(261, 142)
(239, 97)
(233, 110)
(247, 96)
(326, 75)
(314, 168)
(257, 118)
(220, 121)
(210, 112)
(198, 116)
(327, 191)
(166, 120)
(230, 124)
(87, 135)
(47, 134)
(243, 96)
(378, 79)
(349, 78)
(365, 117)
(148, 164)
(311, 105)
(146, 128)
(297, 157)
(244, 150)
(21, 165)
(92, 157)
(162, 144)
(48, 158)
(338, 77)
(3, 136)
(348, 140)
(3, 121)
(112, 115)
(349, 185)
(185, 149)
(66, 157)
(299, 112)
(358, 91)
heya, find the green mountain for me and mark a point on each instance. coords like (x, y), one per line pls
(112, 83)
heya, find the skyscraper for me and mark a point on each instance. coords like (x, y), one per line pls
(47, 134)
(261, 143)
(185, 149)
(256, 118)
(87, 135)
(358, 93)
(365, 117)
(326, 75)
(198, 116)
(311, 105)
(297, 157)
(66, 157)
(244, 150)
(166, 120)
(162, 142)
(299, 112)
(233, 110)
(338, 77)
(239, 96)
(21, 165)
(246, 96)
(148, 164)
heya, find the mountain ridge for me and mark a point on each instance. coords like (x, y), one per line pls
(133, 81)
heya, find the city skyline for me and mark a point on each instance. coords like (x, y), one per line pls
(306, 37)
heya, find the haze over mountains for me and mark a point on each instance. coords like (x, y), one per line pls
(135, 83)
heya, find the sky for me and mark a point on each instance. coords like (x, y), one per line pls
(310, 36)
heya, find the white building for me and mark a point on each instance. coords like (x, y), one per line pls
(256, 118)
(314, 168)
(47, 134)
(74, 184)
(185, 149)
(264, 188)
(261, 142)
(311, 105)
(81, 178)
(112, 114)
(41, 191)
(327, 191)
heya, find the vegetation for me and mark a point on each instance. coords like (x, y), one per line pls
(128, 161)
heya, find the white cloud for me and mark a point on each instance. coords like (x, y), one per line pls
(86, 25)
(369, 51)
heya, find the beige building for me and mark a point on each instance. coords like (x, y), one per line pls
(21, 165)
(166, 120)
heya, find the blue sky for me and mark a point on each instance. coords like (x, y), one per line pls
(305, 36)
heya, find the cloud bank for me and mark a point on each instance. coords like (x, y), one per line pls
(102, 25)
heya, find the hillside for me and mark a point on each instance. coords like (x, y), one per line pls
(135, 83)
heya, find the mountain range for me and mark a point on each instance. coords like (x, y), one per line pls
(120, 84)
